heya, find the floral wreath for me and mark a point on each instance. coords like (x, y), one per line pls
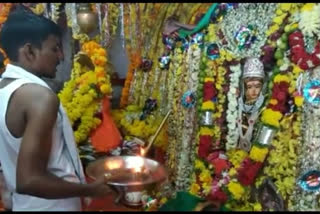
(299, 55)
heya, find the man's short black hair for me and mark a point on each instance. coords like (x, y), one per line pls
(23, 26)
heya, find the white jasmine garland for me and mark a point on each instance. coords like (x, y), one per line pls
(185, 166)
(232, 136)
(308, 155)
(309, 22)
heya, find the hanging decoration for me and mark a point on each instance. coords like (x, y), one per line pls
(310, 181)
(55, 11)
(245, 36)
(164, 62)
(311, 92)
(213, 51)
(146, 65)
(188, 99)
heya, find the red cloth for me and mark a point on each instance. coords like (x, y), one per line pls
(106, 136)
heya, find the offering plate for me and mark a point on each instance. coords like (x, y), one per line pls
(128, 175)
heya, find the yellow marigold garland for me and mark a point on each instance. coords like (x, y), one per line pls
(82, 93)
(4, 11)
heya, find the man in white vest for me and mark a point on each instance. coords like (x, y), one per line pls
(38, 154)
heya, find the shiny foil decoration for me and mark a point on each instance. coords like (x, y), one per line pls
(245, 36)
(213, 51)
(266, 135)
(169, 42)
(188, 99)
(311, 92)
(197, 39)
(146, 64)
(164, 62)
(206, 118)
(310, 181)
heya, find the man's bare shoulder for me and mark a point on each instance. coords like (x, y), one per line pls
(32, 95)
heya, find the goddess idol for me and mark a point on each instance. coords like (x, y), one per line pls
(251, 99)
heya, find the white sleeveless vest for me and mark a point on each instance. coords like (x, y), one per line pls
(64, 160)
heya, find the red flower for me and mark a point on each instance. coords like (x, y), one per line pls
(298, 53)
(220, 165)
(303, 65)
(219, 161)
(217, 195)
(213, 155)
(295, 58)
(209, 91)
(204, 146)
(248, 171)
(297, 50)
(295, 38)
(281, 95)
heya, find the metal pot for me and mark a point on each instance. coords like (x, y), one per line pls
(87, 19)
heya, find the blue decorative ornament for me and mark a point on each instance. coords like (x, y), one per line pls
(226, 6)
(164, 62)
(310, 181)
(185, 44)
(169, 42)
(245, 36)
(311, 92)
(213, 51)
(188, 99)
(149, 106)
(197, 38)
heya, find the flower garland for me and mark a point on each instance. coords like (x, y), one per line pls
(39, 8)
(250, 166)
(55, 11)
(129, 121)
(151, 76)
(175, 120)
(244, 170)
(210, 120)
(4, 11)
(303, 198)
(201, 178)
(281, 81)
(232, 112)
(274, 33)
(309, 20)
(135, 61)
(131, 20)
(184, 164)
(282, 160)
(113, 18)
(277, 104)
(80, 96)
(299, 55)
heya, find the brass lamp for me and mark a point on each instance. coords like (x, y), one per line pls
(87, 19)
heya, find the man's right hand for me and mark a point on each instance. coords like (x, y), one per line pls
(100, 187)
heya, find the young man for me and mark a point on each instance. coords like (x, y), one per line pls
(37, 150)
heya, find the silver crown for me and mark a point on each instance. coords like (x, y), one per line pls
(253, 67)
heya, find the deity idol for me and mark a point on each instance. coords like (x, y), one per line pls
(250, 101)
